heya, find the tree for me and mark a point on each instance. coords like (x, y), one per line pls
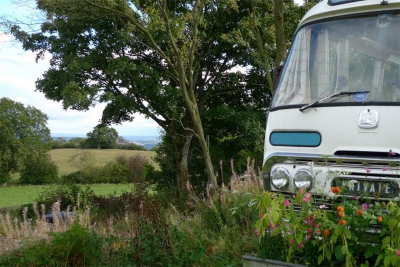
(38, 169)
(102, 137)
(23, 131)
(159, 58)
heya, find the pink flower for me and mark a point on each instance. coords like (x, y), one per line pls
(398, 253)
(291, 241)
(308, 237)
(318, 231)
(301, 191)
(309, 230)
(392, 153)
(322, 206)
(308, 194)
(384, 168)
(256, 232)
(301, 245)
(286, 203)
(364, 206)
(317, 226)
(356, 197)
(306, 199)
(261, 216)
(367, 170)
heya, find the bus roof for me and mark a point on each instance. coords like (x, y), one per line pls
(324, 10)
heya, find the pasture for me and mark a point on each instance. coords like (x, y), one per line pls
(13, 196)
(68, 161)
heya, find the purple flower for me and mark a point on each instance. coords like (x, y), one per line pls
(384, 168)
(356, 197)
(392, 153)
(322, 206)
(286, 203)
(367, 170)
(364, 206)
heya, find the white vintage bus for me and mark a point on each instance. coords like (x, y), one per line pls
(334, 119)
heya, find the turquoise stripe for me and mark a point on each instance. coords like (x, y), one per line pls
(308, 139)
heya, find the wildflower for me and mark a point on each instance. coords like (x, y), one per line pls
(380, 219)
(286, 203)
(292, 241)
(359, 212)
(336, 190)
(306, 199)
(309, 230)
(367, 170)
(326, 232)
(322, 206)
(356, 197)
(340, 209)
(364, 206)
(342, 222)
(318, 232)
(384, 168)
(308, 237)
(301, 191)
(317, 226)
(398, 253)
(392, 153)
(261, 216)
(341, 214)
(256, 232)
(301, 245)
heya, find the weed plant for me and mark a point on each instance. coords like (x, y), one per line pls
(140, 229)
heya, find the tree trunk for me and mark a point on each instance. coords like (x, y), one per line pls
(182, 147)
(279, 32)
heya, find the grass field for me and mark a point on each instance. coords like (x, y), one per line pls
(12, 196)
(64, 158)
(68, 161)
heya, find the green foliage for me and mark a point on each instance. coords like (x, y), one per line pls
(342, 237)
(74, 247)
(39, 169)
(4, 177)
(271, 247)
(23, 131)
(71, 195)
(101, 137)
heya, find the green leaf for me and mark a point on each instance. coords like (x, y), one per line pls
(385, 242)
(394, 260)
(386, 261)
(299, 235)
(392, 223)
(328, 254)
(378, 260)
(368, 253)
(275, 217)
(338, 230)
(347, 233)
(320, 258)
(338, 253)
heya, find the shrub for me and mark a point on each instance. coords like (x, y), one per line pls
(39, 169)
(5, 177)
(71, 195)
(342, 237)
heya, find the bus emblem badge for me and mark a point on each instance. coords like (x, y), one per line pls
(368, 119)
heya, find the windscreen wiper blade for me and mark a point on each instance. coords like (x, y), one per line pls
(331, 96)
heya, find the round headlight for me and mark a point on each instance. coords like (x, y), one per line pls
(280, 178)
(303, 179)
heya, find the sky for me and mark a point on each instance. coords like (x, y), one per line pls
(18, 73)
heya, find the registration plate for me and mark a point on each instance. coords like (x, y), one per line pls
(368, 188)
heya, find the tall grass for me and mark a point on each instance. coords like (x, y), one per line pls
(216, 230)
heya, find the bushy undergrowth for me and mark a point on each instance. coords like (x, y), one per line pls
(122, 169)
(142, 229)
(39, 169)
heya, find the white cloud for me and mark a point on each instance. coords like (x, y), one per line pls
(19, 71)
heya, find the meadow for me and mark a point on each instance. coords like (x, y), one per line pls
(64, 158)
(68, 161)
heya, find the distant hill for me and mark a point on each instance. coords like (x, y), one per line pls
(147, 141)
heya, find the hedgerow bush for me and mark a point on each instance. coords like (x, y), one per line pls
(39, 169)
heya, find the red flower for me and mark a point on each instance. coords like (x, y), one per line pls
(326, 232)
(342, 222)
(380, 219)
(359, 212)
(340, 209)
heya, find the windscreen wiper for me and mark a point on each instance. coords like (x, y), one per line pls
(330, 96)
